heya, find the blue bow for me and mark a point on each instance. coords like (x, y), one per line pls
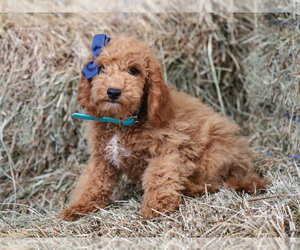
(92, 68)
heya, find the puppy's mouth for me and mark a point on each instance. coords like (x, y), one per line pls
(111, 106)
(113, 102)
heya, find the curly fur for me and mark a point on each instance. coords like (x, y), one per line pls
(179, 145)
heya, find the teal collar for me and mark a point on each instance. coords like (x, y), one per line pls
(125, 122)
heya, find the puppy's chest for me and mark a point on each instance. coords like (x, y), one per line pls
(115, 151)
(119, 154)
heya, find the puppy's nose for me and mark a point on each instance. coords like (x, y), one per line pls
(113, 94)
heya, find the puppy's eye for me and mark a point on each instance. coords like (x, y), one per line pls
(101, 69)
(133, 71)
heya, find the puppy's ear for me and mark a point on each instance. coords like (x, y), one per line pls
(159, 96)
(84, 95)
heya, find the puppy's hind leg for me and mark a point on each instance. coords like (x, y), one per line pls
(227, 165)
(241, 175)
(92, 189)
(250, 183)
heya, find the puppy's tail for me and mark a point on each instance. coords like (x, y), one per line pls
(250, 183)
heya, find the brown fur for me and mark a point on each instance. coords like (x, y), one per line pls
(179, 145)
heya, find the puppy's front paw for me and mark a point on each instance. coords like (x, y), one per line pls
(72, 213)
(155, 202)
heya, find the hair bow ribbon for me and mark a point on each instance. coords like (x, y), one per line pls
(92, 68)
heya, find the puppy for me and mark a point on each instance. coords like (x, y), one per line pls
(176, 144)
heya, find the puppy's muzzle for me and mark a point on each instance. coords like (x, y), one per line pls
(114, 94)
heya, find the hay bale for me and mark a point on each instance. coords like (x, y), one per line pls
(272, 86)
(41, 63)
(212, 56)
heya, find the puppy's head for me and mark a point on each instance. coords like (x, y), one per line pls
(128, 74)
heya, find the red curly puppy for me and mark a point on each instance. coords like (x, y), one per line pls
(177, 146)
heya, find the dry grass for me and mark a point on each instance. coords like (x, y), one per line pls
(253, 71)
(272, 86)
